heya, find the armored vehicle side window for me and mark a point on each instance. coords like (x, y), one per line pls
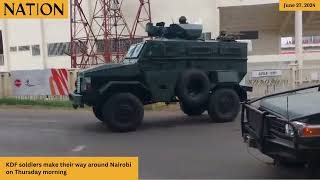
(175, 49)
(154, 50)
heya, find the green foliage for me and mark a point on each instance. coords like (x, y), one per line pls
(42, 102)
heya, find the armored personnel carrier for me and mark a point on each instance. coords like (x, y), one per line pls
(174, 66)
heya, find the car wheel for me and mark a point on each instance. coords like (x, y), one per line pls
(123, 112)
(97, 111)
(193, 88)
(224, 105)
(191, 111)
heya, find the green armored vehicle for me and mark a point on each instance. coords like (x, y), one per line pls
(174, 66)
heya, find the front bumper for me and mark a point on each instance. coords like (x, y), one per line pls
(77, 100)
(264, 132)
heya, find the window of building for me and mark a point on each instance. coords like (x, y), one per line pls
(100, 46)
(13, 49)
(80, 48)
(316, 39)
(121, 45)
(249, 35)
(1, 43)
(24, 48)
(1, 50)
(58, 49)
(36, 50)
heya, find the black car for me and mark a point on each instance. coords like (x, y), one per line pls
(285, 126)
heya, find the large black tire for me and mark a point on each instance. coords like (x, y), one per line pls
(97, 111)
(196, 111)
(193, 88)
(224, 105)
(123, 112)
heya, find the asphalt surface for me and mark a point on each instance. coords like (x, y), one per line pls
(169, 144)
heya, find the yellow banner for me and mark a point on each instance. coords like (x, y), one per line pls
(68, 168)
(299, 5)
(34, 9)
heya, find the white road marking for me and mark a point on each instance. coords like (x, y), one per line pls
(79, 148)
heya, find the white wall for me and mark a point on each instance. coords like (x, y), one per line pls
(57, 31)
(28, 32)
(21, 33)
(269, 42)
(266, 19)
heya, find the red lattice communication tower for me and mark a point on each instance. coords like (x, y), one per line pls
(143, 15)
(100, 33)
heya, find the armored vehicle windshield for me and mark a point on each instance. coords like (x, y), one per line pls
(134, 51)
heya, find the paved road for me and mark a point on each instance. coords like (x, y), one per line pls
(170, 145)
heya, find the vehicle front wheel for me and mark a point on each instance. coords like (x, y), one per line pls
(224, 105)
(191, 111)
(123, 112)
(97, 111)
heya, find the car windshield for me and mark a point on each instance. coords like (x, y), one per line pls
(134, 50)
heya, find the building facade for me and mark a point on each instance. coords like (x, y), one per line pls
(272, 32)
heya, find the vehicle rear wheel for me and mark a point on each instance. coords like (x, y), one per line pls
(193, 88)
(197, 111)
(123, 112)
(97, 111)
(224, 105)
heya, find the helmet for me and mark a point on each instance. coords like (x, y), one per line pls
(183, 20)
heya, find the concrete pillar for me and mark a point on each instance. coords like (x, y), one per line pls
(6, 48)
(44, 50)
(6, 84)
(1, 85)
(299, 43)
(293, 69)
